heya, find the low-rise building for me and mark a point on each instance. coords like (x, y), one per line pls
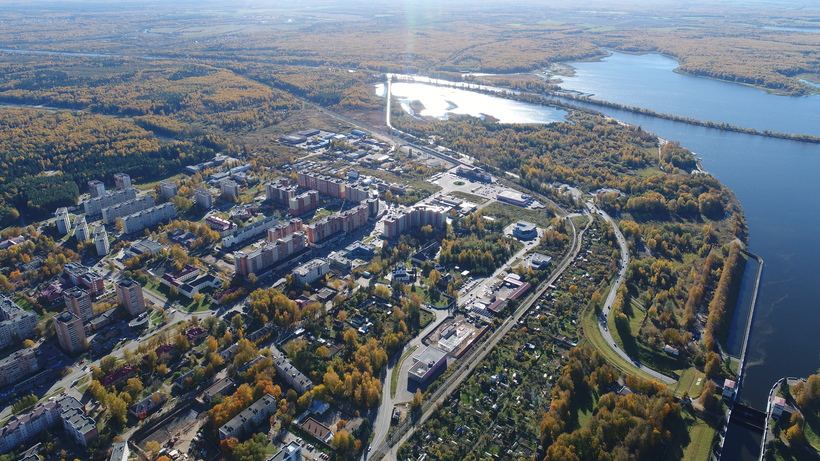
(311, 271)
(144, 407)
(119, 452)
(223, 226)
(285, 370)
(540, 261)
(317, 430)
(729, 388)
(426, 363)
(514, 198)
(249, 418)
(222, 387)
(525, 230)
(778, 405)
(290, 452)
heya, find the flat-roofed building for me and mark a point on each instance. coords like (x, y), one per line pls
(16, 324)
(168, 189)
(96, 188)
(110, 214)
(290, 452)
(119, 452)
(302, 203)
(122, 181)
(70, 332)
(311, 271)
(63, 222)
(249, 418)
(78, 301)
(81, 229)
(412, 219)
(95, 205)
(426, 363)
(149, 217)
(525, 230)
(101, 243)
(229, 188)
(17, 366)
(203, 198)
(129, 294)
(256, 261)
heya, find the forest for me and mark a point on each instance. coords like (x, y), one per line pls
(761, 45)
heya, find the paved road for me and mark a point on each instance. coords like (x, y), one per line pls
(479, 352)
(385, 414)
(610, 300)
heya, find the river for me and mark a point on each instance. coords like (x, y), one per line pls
(774, 180)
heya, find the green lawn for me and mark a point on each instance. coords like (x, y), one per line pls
(691, 381)
(511, 213)
(592, 335)
(812, 429)
(477, 199)
(693, 441)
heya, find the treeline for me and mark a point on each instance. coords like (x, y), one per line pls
(623, 427)
(689, 120)
(80, 147)
(329, 87)
(724, 297)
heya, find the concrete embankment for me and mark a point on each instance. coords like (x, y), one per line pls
(743, 355)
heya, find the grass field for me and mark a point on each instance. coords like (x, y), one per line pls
(512, 213)
(477, 199)
(691, 381)
(693, 443)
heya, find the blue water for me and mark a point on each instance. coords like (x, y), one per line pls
(648, 81)
(775, 180)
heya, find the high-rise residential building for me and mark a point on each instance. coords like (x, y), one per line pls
(262, 258)
(95, 205)
(279, 191)
(229, 188)
(129, 294)
(63, 222)
(70, 332)
(147, 218)
(81, 229)
(110, 214)
(17, 366)
(204, 199)
(413, 219)
(78, 301)
(101, 241)
(169, 189)
(303, 203)
(16, 324)
(122, 181)
(96, 188)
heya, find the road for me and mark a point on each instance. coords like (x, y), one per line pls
(610, 300)
(385, 414)
(479, 352)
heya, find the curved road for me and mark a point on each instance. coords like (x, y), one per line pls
(610, 300)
